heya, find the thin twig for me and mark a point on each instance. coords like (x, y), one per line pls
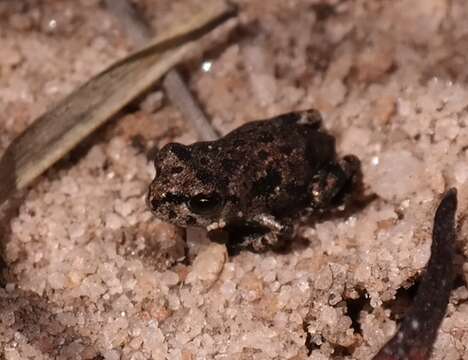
(180, 95)
(133, 23)
(174, 86)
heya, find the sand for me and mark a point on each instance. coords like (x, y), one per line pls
(92, 275)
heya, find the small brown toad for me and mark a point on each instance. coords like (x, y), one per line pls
(255, 181)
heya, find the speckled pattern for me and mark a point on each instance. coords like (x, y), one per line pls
(91, 273)
(264, 174)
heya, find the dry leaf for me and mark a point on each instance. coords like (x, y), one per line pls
(56, 132)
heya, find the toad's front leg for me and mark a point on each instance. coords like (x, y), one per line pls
(261, 233)
(277, 235)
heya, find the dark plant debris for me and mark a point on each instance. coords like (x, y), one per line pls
(417, 333)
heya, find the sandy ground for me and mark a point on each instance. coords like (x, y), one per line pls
(92, 275)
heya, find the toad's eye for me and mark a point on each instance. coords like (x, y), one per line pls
(205, 204)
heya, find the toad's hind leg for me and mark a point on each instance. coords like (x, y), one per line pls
(333, 180)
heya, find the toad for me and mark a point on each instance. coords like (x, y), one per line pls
(256, 181)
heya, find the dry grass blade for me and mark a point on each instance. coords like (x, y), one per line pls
(56, 132)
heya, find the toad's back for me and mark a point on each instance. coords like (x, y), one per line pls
(268, 164)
